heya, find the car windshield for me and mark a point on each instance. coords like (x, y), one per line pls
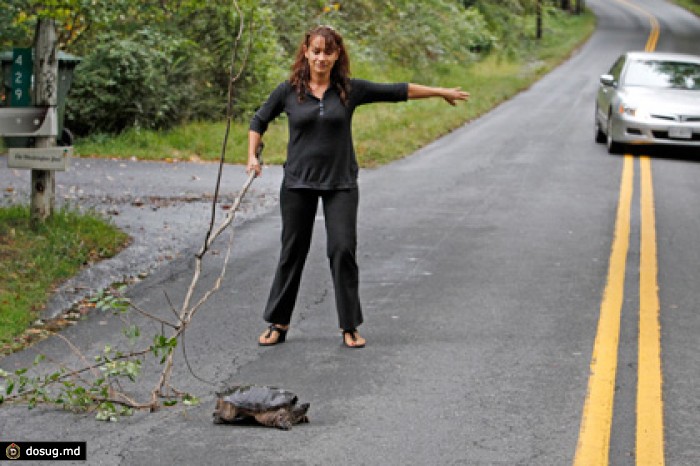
(663, 74)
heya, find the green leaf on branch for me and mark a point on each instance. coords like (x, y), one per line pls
(163, 346)
(132, 332)
(106, 300)
(190, 400)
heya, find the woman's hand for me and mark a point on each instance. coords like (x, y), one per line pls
(254, 148)
(452, 95)
(253, 166)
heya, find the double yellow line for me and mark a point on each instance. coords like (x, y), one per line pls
(594, 436)
(655, 29)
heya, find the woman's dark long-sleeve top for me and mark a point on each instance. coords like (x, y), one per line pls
(320, 152)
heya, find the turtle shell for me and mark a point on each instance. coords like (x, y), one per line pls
(259, 398)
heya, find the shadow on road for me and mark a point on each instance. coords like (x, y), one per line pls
(682, 153)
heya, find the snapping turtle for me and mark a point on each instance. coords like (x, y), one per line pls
(270, 406)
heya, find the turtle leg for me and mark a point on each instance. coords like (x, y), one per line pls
(279, 419)
(298, 414)
(224, 412)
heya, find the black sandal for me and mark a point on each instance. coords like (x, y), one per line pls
(351, 333)
(280, 339)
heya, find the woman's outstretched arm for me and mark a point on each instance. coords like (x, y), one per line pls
(451, 95)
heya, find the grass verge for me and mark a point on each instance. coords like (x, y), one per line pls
(34, 262)
(690, 5)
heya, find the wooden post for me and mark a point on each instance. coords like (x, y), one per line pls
(539, 19)
(45, 94)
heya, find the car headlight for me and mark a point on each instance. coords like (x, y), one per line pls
(633, 111)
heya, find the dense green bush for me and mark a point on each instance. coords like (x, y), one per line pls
(143, 81)
(157, 78)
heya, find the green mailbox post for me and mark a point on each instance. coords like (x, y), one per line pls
(17, 81)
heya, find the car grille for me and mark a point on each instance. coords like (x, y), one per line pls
(664, 117)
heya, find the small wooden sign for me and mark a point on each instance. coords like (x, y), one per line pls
(53, 158)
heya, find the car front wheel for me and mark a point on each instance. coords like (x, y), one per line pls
(614, 147)
(599, 134)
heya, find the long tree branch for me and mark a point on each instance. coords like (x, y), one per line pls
(187, 312)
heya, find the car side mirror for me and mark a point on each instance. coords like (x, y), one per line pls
(607, 80)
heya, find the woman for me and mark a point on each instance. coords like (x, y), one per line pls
(319, 99)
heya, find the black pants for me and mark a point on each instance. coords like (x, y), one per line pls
(298, 207)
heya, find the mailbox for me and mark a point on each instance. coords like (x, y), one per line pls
(66, 67)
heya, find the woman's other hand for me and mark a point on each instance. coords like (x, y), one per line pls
(452, 95)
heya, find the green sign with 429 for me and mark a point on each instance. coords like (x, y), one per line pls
(22, 70)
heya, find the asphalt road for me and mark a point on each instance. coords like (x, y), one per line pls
(484, 261)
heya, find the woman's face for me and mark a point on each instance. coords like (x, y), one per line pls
(321, 59)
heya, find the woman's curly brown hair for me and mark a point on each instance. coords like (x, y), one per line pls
(340, 74)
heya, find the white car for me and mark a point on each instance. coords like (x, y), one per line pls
(649, 98)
